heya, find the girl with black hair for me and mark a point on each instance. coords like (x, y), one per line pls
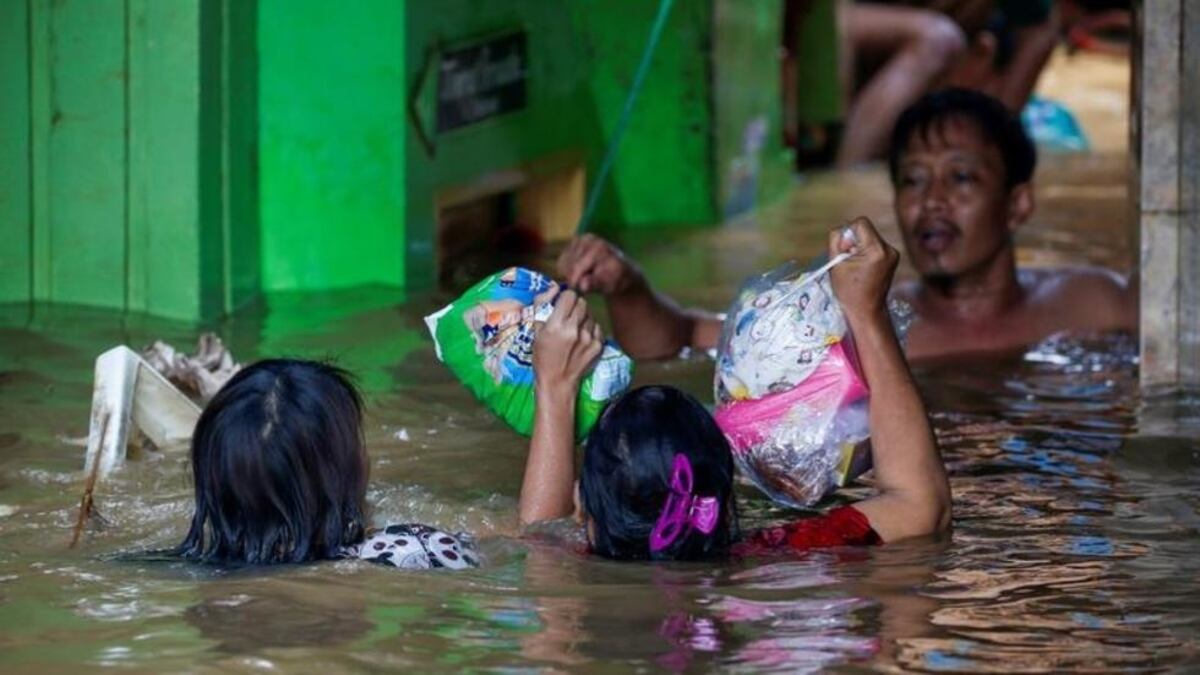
(657, 475)
(280, 473)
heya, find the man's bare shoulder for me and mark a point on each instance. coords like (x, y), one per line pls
(1101, 295)
(1074, 283)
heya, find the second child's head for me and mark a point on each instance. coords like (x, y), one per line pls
(279, 466)
(962, 170)
(657, 479)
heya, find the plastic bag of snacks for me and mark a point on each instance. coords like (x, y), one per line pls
(789, 395)
(486, 339)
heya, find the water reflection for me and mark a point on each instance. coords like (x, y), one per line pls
(1075, 544)
(688, 617)
(1038, 580)
(249, 615)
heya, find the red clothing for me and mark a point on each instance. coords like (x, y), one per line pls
(843, 526)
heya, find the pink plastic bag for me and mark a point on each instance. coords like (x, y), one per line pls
(835, 384)
(790, 397)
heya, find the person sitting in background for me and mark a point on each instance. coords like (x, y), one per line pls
(903, 49)
(962, 173)
(903, 52)
(1009, 43)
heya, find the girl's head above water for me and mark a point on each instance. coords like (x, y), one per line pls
(657, 479)
(279, 466)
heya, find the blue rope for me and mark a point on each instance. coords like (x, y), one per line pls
(610, 153)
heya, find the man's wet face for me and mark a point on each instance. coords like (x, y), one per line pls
(951, 200)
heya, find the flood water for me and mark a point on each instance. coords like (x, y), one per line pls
(1075, 541)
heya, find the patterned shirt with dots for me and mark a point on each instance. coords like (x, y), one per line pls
(415, 546)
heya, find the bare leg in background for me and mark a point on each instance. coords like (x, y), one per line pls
(917, 47)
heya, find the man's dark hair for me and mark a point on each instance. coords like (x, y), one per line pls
(995, 123)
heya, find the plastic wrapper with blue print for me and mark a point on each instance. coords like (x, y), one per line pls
(486, 338)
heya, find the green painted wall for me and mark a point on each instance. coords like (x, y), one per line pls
(349, 189)
(79, 101)
(664, 174)
(817, 57)
(160, 127)
(555, 121)
(119, 144)
(331, 92)
(752, 164)
(180, 157)
(16, 254)
(228, 189)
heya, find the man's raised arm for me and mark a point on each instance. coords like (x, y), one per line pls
(646, 323)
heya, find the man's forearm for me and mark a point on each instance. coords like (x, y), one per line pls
(649, 325)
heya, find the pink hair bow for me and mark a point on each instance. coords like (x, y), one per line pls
(683, 510)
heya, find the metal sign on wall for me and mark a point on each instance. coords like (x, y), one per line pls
(481, 81)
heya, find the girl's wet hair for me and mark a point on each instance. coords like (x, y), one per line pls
(280, 467)
(627, 474)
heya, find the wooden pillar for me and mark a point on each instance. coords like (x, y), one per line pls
(1166, 152)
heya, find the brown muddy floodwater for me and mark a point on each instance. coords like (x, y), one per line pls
(1075, 545)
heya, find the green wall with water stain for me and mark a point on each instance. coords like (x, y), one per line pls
(751, 166)
(181, 157)
(16, 253)
(127, 159)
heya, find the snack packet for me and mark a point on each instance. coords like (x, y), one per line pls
(486, 338)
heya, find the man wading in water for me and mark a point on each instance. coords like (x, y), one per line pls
(962, 169)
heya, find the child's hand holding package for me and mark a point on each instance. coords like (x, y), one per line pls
(487, 338)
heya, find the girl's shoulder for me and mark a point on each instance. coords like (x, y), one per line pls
(416, 546)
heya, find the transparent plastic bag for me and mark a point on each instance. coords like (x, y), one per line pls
(790, 397)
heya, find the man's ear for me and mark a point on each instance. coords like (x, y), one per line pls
(1020, 205)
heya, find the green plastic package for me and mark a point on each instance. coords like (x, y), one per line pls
(486, 339)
